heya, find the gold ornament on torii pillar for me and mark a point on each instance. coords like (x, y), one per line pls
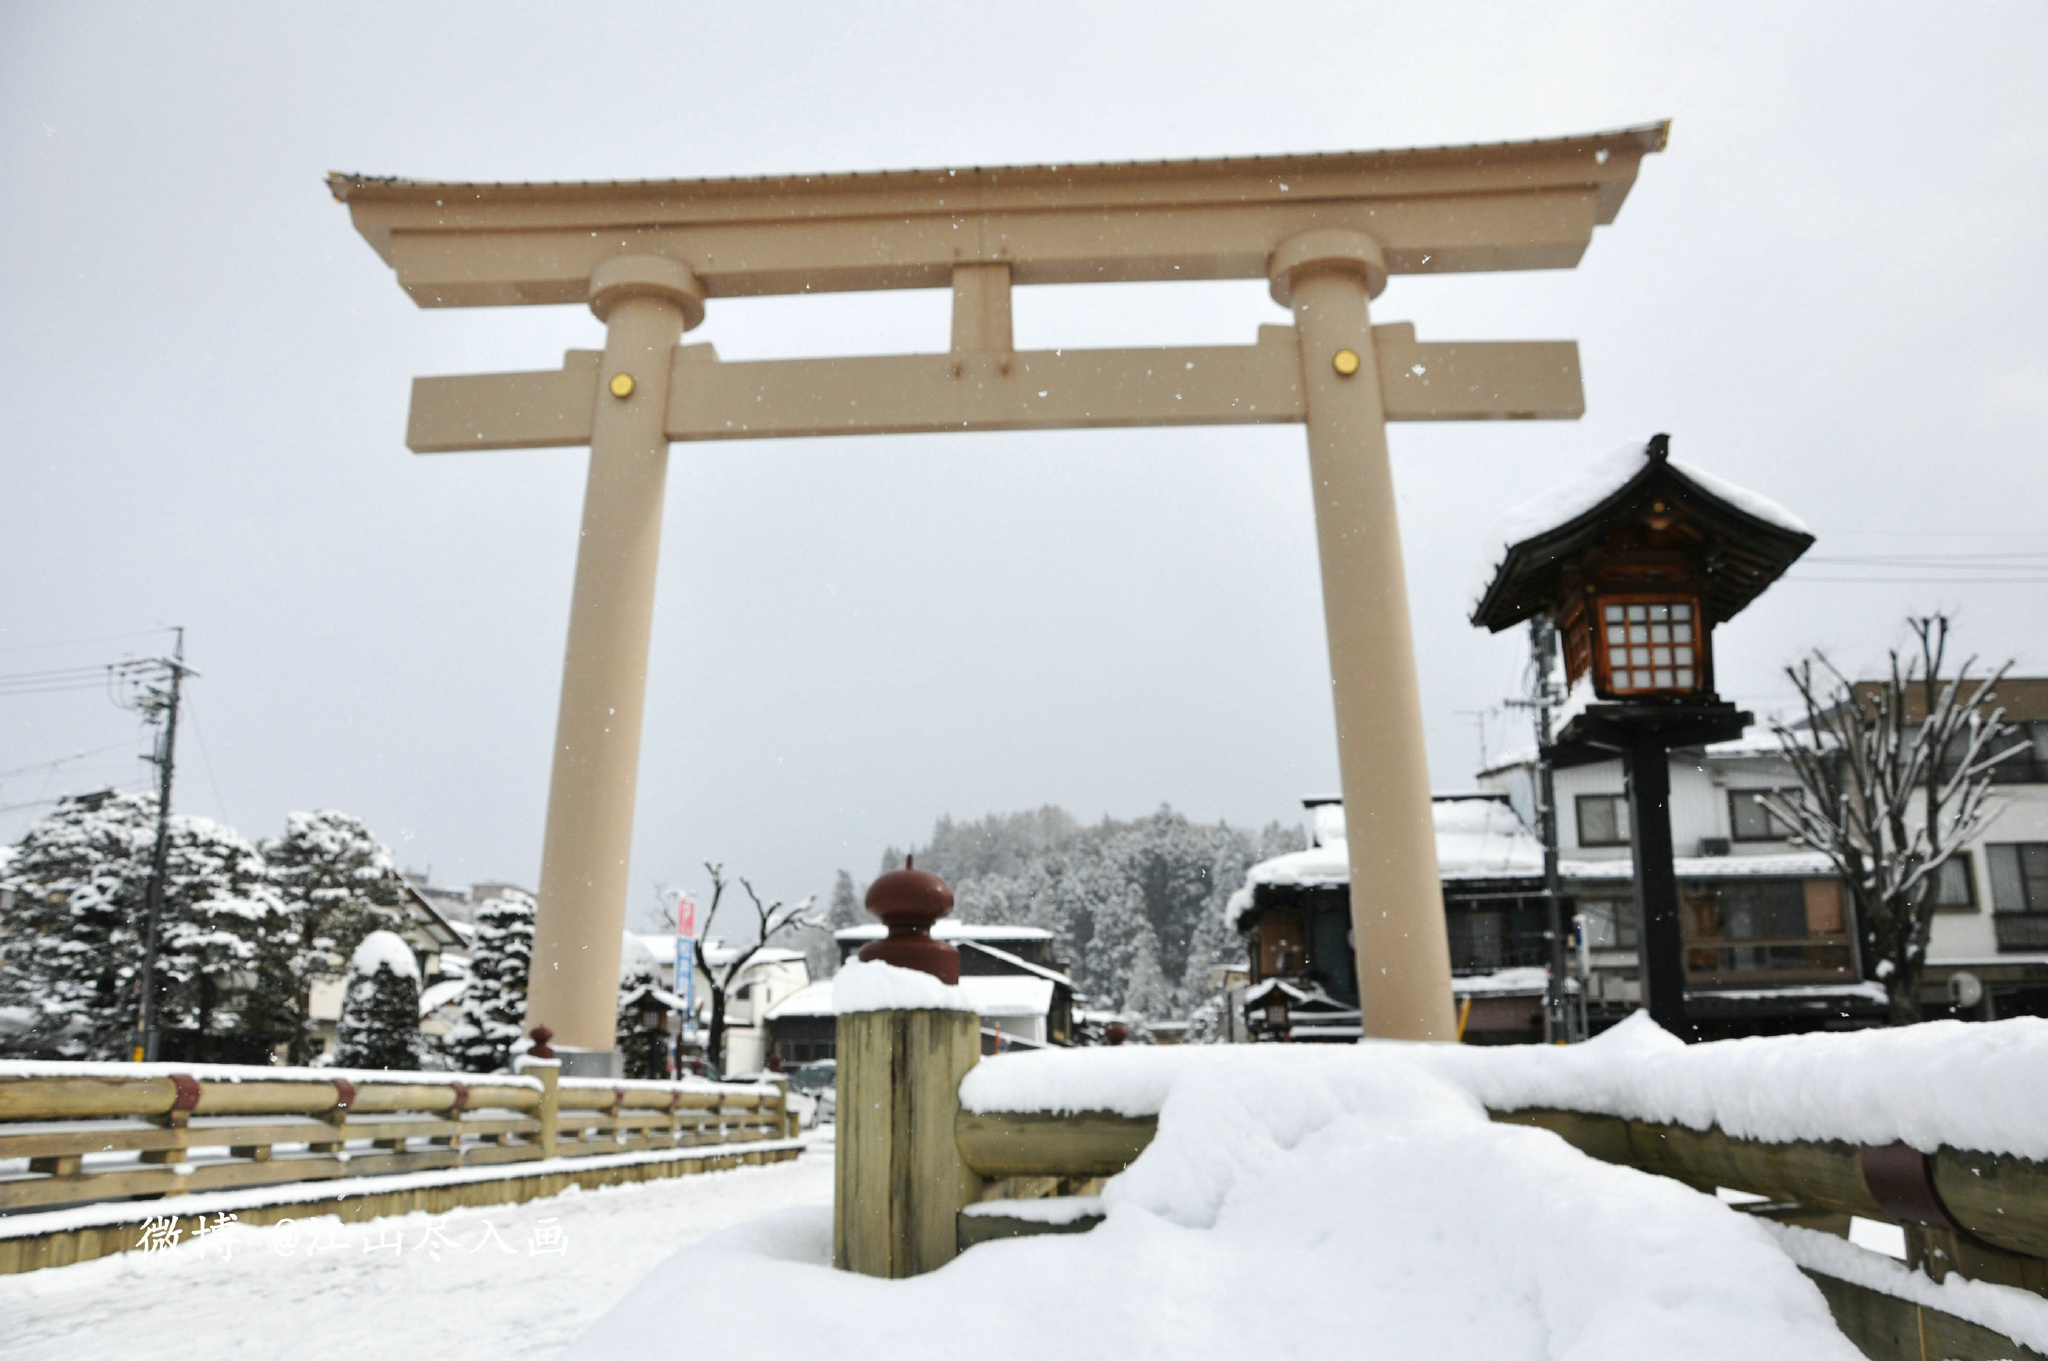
(1324, 230)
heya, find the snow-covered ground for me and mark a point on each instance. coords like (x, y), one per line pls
(501, 1282)
(1298, 1201)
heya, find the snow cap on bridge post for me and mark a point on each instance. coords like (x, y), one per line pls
(910, 902)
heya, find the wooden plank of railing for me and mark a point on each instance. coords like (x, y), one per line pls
(1088, 1144)
(2000, 1199)
(179, 1127)
(61, 1098)
(56, 1138)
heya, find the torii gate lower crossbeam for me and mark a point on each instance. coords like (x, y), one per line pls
(1331, 371)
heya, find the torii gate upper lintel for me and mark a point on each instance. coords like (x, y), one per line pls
(1324, 230)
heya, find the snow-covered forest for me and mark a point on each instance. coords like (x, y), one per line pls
(1136, 908)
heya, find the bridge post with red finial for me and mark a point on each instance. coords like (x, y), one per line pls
(900, 1180)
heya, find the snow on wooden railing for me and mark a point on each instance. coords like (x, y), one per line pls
(1940, 1128)
(78, 1132)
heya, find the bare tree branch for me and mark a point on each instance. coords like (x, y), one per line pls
(772, 917)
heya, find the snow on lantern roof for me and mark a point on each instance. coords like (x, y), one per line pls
(1755, 539)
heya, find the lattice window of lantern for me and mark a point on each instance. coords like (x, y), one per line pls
(1651, 646)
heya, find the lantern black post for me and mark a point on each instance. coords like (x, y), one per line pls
(1660, 945)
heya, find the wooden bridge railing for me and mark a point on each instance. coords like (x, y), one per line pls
(94, 1132)
(917, 1172)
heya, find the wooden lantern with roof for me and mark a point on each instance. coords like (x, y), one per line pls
(1636, 565)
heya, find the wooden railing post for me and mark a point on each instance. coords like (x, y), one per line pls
(900, 1181)
(549, 1072)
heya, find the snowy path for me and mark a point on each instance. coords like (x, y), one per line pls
(483, 1285)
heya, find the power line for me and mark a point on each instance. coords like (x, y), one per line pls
(1934, 533)
(69, 679)
(66, 760)
(206, 759)
(80, 642)
(1944, 561)
(1921, 581)
(56, 673)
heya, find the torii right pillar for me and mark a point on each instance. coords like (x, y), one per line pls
(1397, 916)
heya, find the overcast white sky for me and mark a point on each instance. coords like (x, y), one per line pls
(1830, 289)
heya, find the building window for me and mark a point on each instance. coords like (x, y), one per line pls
(1610, 923)
(1651, 647)
(1750, 819)
(1955, 888)
(1280, 952)
(1603, 820)
(1791, 928)
(1496, 934)
(2019, 876)
(2028, 765)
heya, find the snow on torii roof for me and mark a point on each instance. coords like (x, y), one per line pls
(1758, 538)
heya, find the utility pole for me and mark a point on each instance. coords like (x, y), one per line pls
(1558, 1016)
(166, 748)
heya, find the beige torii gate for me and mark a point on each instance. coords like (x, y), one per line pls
(1325, 230)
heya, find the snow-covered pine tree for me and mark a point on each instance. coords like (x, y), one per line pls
(494, 1004)
(338, 885)
(69, 956)
(1206, 1023)
(219, 997)
(845, 909)
(643, 1053)
(1147, 994)
(380, 1014)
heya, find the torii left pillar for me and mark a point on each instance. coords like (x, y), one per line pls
(646, 303)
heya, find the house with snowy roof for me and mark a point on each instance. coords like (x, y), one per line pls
(1771, 941)
(1794, 968)
(770, 976)
(1023, 998)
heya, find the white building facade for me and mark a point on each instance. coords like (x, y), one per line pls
(1990, 924)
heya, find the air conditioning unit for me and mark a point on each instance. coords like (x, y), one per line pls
(1713, 845)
